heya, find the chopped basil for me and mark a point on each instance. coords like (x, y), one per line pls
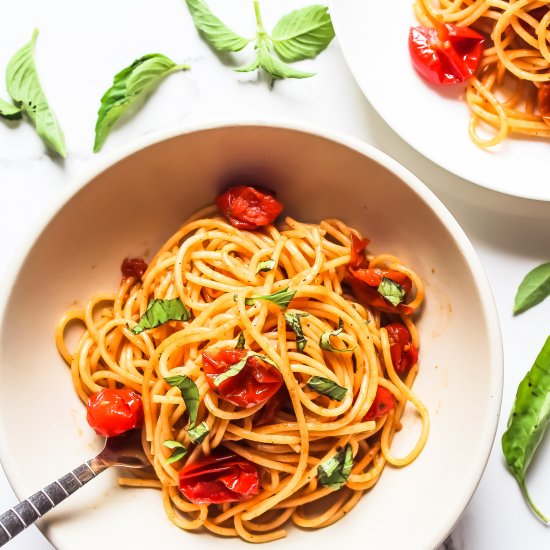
(324, 341)
(189, 393)
(159, 312)
(293, 320)
(240, 342)
(336, 470)
(268, 265)
(327, 387)
(281, 298)
(179, 451)
(235, 369)
(198, 433)
(391, 291)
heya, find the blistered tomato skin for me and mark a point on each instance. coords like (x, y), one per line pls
(403, 352)
(111, 412)
(383, 403)
(133, 267)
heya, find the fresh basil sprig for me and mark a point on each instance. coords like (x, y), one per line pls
(335, 471)
(198, 433)
(324, 340)
(159, 312)
(189, 393)
(129, 85)
(327, 387)
(534, 288)
(301, 34)
(293, 320)
(179, 451)
(9, 111)
(268, 265)
(280, 298)
(391, 291)
(24, 87)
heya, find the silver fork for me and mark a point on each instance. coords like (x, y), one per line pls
(123, 450)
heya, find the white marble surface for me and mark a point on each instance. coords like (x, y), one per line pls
(81, 46)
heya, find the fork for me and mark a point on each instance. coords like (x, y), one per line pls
(122, 450)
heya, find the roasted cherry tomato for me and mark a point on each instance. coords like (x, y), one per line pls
(256, 382)
(448, 54)
(133, 267)
(404, 354)
(543, 98)
(111, 412)
(358, 246)
(383, 403)
(219, 478)
(248, 208)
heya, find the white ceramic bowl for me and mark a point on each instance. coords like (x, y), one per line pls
(128, 208)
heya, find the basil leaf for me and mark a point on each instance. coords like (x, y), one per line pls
(293, 320)
(327, 387)
(130, 84)
(275, 67)
(303, 33)
(179, 452)
(189, 393)
(335, 471)
(281, 298)
(324, 341)
(213, 29)
(391, 291)
(233, 370)
(24, 87)
(534, 288)
(241, 341)
(268, 265)
(9, 111)
(198, 433)
(159, 312)
(249, 68)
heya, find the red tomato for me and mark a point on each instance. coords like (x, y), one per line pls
(219, 478)
(357, 252)
(447, 55)
(543, 98)
(256, 382)
(133, 267)
(248, 208)
(404, 354)
(112, 412)
(383, 403)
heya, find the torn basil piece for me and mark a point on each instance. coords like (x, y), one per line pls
(268, 265)
(281, 298)
(179, 451)
(240, 341)
(235, 369)
(335, 472)
(327, 387)
(391, 291)
(293, 321)
(159, 312)
(189, 393)
(324, 341)
(198, 433)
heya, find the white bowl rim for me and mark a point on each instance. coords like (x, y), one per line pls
(496, 366)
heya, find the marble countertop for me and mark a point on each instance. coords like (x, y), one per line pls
(83, 44)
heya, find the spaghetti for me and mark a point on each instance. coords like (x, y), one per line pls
(510, 91)
(221, 274)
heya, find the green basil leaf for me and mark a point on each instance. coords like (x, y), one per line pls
(303, 33)
(219, 35)
(198, 433)
(189, 393)
(129, 85)
(275, 67)
(391, 291)
(233, 370)
(240, 341)
(293, 320)
(249, 68)
(335, 471)
(9, 111)
(327, 387)
(159, 312)
(534, 288)
(281, 298)
(24, 87)
(268, 265)
(324, 340)
(179, 451)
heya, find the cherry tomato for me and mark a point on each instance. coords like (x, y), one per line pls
(248, 208)
(358, 246)
(404, 354)
(256, 382)
(448, 54)
(219, 478)
(133, 267)
(112, 412)
(383, 403)
(543, 98)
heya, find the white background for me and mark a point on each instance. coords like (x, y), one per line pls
(80, 48)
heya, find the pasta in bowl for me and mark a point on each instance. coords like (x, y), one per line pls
(273, 364)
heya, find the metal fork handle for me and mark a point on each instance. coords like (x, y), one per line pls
(28, 511)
